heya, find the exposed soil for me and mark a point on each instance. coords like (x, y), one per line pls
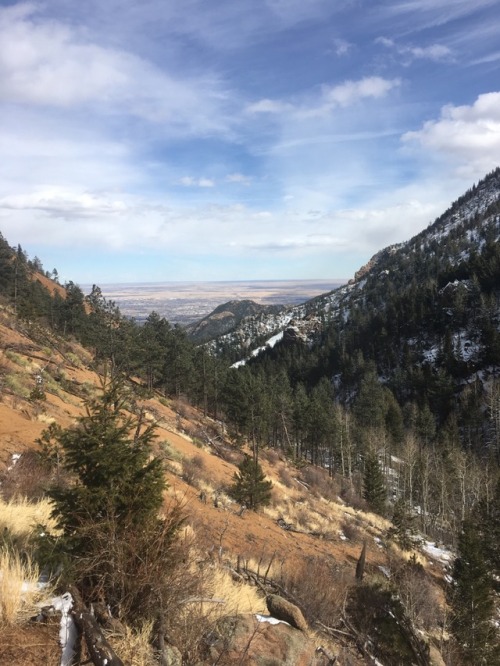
(30, 645)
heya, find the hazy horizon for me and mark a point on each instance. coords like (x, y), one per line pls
(187, 301)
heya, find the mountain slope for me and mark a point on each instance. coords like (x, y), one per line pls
(307, 523)
(431, 301)
(227, 317)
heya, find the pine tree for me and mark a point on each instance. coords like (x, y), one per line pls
(112, 540)
(472, 601)
(374, 490)
(250, 486)
(403, 529)
(108, 454)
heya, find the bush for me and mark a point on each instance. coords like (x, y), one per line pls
(285, 477)
(29, 477)
(320, 482)
(192, 469)
(377, 613)
(319, 588)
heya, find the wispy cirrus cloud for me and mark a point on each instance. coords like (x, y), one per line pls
(420, 14)
(407, 53)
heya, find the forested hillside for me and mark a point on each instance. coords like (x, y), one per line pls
(389, 386)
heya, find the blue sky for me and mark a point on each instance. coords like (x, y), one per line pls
(237, 140)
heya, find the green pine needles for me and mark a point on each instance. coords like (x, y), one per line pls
(374, 488)
(472, 601)
(114, 545)
(250, 486)
(108, 454)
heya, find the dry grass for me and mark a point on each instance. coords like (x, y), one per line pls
(134, 646)
(239, 598)
(305, 516)
(19, 591)
(20, 517)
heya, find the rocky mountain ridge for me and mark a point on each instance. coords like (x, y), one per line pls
(226, 318)
(454, 248)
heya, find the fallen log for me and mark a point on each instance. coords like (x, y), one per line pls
(100, 651)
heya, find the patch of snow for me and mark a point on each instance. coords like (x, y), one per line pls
(15, 458)
(269, 344)
(441, 554)
(269, 619)
(68, 632)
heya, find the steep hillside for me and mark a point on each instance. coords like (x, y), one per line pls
(226, 318)
(425, 312)
(307, 527)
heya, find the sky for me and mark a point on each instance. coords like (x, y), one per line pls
(159, 140)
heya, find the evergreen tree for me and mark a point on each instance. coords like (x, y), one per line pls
(108, 513)
(250, 486)
(472, 601)
(403, 529)
(374, 490)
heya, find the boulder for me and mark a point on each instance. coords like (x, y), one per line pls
(246, 641)
(284, 610)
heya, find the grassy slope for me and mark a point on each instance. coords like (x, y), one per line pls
(183, 440)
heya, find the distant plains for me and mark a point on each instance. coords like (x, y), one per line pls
(186, 302)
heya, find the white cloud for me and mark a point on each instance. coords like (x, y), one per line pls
(189, 181)
(342, 95)
(238, 178)
(269, 106)
(467, 136)
(350, 92)
(433, 52)
(48, 63)
(61, 203)
(342, 46)
(206, 182)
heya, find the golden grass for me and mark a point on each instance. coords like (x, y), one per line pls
(20, 517)
(19, 591)
(134, 646)
(239, 598)
(305, 516)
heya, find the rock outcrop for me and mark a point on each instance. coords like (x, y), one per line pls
(246, 641)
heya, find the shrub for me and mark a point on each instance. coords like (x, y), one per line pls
(377, 612)
(351, 530)
(29, 477)
(192, 469)
(285, 477)
(320, 589)
(320, 483)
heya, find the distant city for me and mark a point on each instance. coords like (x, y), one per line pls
(186, 302)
